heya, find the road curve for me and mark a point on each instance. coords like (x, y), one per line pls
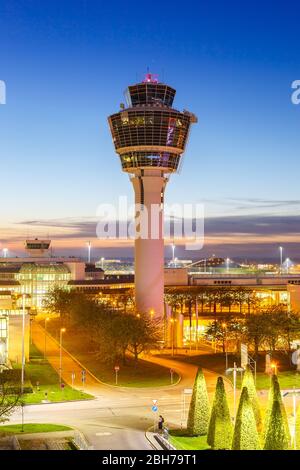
(118, 417)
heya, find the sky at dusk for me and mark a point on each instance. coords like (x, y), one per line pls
(66, 65)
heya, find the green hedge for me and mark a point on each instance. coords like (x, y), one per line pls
(220, 427)
(199, 411)
(245, 436)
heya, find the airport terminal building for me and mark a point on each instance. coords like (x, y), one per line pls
(24, 282)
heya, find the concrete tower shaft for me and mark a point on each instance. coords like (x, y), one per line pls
(149, 188)
(150, 137)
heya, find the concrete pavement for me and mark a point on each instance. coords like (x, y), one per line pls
(117, 418)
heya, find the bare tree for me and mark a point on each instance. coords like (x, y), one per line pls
(10, 393)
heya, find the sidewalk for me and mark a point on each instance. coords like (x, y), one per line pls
(69, 364)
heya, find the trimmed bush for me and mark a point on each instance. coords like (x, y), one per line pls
(220, 429)
(199, 412)
(245, 436)
(248, 381)
(298, 429)
(275, 395)
(276, 435)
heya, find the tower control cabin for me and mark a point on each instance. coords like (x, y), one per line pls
(150, 137)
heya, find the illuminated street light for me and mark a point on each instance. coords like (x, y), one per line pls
(102, 263)
(234, 370)
(62, 330)
(288, 264)
(224, 326)
(5, 251)
(227, 264)
(280, 253)
(24, 297)
(89, 251)
(274, 368)
(152, 313)
(173, 254)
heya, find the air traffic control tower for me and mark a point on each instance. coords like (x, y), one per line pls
(150, 136)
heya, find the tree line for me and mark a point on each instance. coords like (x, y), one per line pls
(249, 430)
(270, 329)
(227, 299)
(113, 333)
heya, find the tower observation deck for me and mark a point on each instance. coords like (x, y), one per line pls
(149, 133)
(150, 137)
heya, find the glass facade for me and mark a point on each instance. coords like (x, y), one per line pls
(3, 340)
(150, 127)
(150, 159)
(150, 93)
(150, 133)
(37, 279)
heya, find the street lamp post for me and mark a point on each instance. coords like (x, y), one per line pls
(23, 344)
(173, 254)
(226, 353)
(89, 251)
(45, 345)
(22, 415)
(227, 265)
(295, 392)
(62, 330)
(295, 417)
(234, 389)
(280, 253)
(234, 370)
(24, 296)
(197, 322)
(172, 335)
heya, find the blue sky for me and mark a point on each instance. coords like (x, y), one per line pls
(66, 64)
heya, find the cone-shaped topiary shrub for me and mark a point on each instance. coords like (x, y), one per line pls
(298, 429)
(276, 435)
(220, 428)
(248, 381)
(199, 412)
(275, 395)
(245, 436)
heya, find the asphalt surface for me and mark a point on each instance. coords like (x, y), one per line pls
(117, 418)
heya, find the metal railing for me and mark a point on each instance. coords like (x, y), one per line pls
(81, 442)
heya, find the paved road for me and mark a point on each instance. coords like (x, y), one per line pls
(118, 417)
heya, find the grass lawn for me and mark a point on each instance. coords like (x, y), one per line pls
(33, 428)
(216, 362)
(40, 372)
(142, 374)
(183, 442)
(287, 380)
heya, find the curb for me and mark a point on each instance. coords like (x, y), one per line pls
(164, 443)
(98, 380)
(74, 358)
(153, 444)
(60, 402)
